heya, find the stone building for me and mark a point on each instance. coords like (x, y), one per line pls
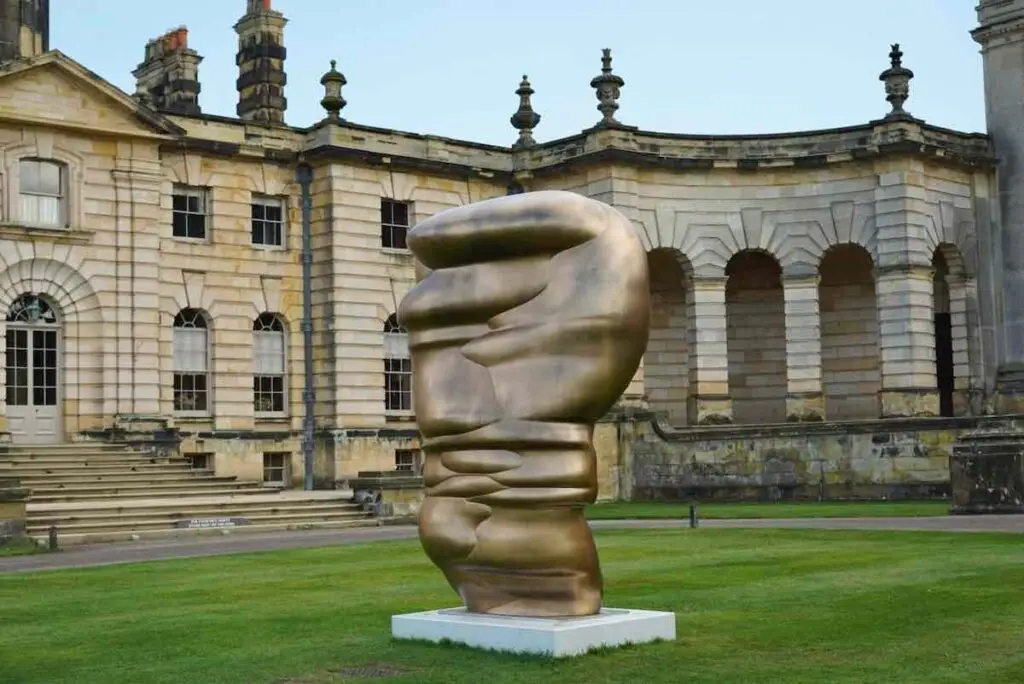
(832, 308)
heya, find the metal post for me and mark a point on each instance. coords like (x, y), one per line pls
(304, 176)
(694, 516)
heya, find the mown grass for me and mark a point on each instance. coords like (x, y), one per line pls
(752, 606)
(802, 509)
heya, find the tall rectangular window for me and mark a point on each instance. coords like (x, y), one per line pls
(394, 224)
(42, 189)
(267, 221)
(268, 385)
(189, 212)
(191, 363)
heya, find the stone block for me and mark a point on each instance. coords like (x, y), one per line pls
(557, 637)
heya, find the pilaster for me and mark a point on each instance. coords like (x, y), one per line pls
(907, 341)
(805, 401)
(709, 402)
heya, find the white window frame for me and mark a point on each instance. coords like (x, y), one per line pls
(185, 359)
(269, 201)
(396, 349)
(38, 195)
(408, 461)
(270, 366)
(283, 468)
(203, 196)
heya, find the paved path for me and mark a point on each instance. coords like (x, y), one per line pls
(133, 552)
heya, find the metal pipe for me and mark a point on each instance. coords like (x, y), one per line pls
(304, 176)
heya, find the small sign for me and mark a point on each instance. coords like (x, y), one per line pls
(211, 523)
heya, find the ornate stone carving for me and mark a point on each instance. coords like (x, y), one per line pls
(608, 86)
(525, 119)
(897, 83)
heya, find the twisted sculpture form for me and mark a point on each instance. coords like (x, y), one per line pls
(530, 318)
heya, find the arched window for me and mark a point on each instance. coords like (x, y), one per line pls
(397, 368)
(268, 380)
(191, 362)
(42, 188)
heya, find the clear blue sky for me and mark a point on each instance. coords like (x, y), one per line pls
(450, 67)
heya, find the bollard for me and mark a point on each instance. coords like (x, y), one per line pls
(53, 537)
(694, 516)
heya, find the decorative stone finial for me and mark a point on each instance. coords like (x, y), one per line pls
(525, 119)
(897, 83)
(607, 86)
(333, 102)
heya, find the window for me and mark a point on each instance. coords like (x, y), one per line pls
(407, 461)
(191, 362)
(188, 212)
(267, 221)
(397, 368)
(394, 224)
(42, 186)
(275, 468)
(268, 385)
(200, 461)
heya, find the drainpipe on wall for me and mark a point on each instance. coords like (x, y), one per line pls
(304, 176)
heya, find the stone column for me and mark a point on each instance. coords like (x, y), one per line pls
(805, 401)
(961, 289)
(906, 338)
(1001, 36)
(709, 401)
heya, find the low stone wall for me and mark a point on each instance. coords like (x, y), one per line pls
(893, 459)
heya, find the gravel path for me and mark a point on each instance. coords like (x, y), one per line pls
(133, 552)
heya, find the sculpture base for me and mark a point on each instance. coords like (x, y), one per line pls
(558, 637)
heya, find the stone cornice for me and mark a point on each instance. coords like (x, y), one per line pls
(899, 136)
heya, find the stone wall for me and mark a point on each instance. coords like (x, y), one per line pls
(666, 362)
(904, 458)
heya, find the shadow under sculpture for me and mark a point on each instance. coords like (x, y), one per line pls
(529, 320)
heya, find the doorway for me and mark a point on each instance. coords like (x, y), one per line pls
(33, 371)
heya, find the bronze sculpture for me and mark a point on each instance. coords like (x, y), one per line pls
(529, 319)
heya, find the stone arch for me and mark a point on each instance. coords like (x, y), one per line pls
(756, 337)
(86, 352)
(666, 365)
(706, 241)
(851, 372)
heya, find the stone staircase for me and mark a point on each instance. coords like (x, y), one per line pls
(105, 492)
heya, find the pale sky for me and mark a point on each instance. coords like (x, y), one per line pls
(450, 67)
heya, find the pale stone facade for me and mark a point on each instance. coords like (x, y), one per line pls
(798, 278)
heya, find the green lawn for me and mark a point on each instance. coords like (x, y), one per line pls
(752, 605)
(802, 509)
(18, 549)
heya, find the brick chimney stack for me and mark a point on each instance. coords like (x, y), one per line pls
(24, 29)
(260, 60)
(168, 78)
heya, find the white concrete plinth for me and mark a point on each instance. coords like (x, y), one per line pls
(558, 637)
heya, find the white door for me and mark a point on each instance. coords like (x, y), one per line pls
(33, 351)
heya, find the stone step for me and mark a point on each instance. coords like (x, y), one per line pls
(183, 511)
(139, 481)
(119, 476)
(75, 539)
(65, 471)
(62, 449)
(136, 525)
(127, 457)
(264, 496)
(182, 489)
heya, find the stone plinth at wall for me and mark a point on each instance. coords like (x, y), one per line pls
(852, 460)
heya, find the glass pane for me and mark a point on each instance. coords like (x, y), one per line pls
(195, 204)
(179, 202)
(28, 176)
(258, 211)
(257, 232)
(273, 213)
(180, 225)
(196, 226)
(49, 178)
(400, 215)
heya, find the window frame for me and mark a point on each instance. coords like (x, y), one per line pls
(388, 225)
(197, 192)
(263, 320)
(415, 458)
(283, 468)
(63, 196)
(397, 370)
(281, 203)
(179, 376)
